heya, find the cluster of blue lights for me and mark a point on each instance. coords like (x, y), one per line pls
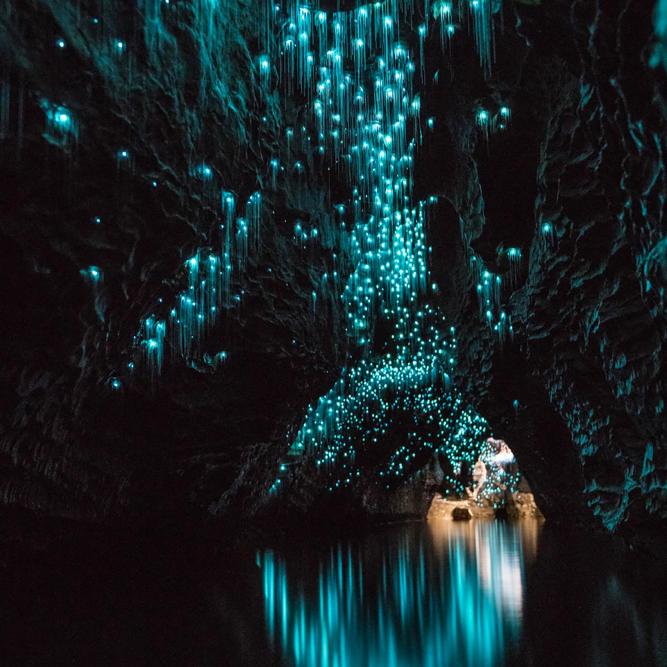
(209, 291)
(358, 77)
(363, 124)
(489, 289)
(490, 123)
(368, 126)
(412, 380)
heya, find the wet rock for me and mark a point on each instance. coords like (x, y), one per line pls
(461, 514)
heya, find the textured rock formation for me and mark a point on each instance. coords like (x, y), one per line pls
(591, 320)
(576, 182)
(82, 435)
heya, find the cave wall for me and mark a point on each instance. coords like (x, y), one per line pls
(578, 184)
(577, 391)
(86, 431)
(591, 306)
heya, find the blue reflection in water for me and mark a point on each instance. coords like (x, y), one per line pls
(450, 596)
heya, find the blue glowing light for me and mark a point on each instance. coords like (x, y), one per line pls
(363, 121)
(93, 274)
(61, 126)
(204, 172)
(209, 283)
(63, 118)
(264, 69)
(484, 122)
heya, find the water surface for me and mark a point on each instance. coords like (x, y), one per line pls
(477, 594)
(451, 594)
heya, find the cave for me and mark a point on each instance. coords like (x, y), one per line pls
(333, 332)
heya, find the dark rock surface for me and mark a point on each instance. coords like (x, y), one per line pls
(461, 514)
(71, 445)
(578, 392)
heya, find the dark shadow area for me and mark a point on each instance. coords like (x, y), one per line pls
(589, 603)
(507, 166)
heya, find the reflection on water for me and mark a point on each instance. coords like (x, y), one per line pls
(449, 596)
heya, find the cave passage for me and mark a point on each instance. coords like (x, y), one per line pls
(281, 274)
